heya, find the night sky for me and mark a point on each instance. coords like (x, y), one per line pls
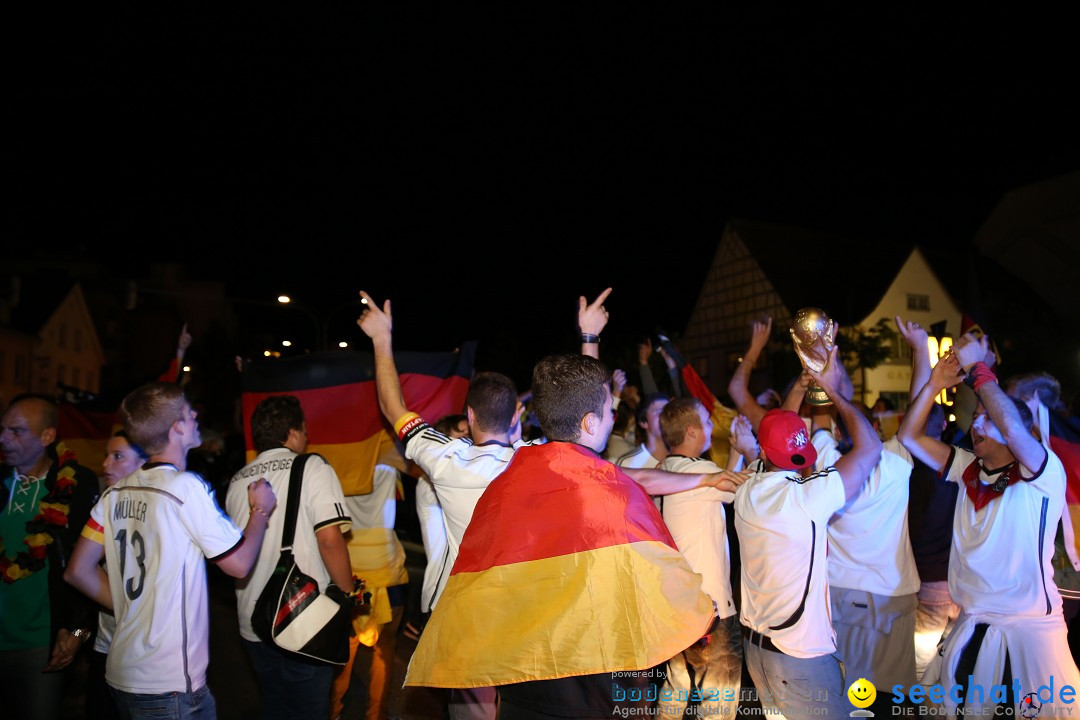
(483, 167)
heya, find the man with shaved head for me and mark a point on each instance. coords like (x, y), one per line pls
(45, 500)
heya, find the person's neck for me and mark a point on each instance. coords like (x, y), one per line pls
(997, 460)
(689, 450)
(479, 437)
(656, 447)
(38, 468)
(173, 456)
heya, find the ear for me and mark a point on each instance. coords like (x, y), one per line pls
(48, 436)
(589, 424)
(471, 416)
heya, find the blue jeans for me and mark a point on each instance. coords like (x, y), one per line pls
(797, 687)
(197, 705)
(290, 688)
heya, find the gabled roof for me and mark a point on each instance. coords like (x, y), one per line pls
(39, 297)
(1034, 232)
(847, 280)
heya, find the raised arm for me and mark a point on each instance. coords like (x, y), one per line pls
(971, 354)
(648, 382)
(916, 337)
(592, 319)
(855, 466)
(378, 325)
(912, 431)
(739, 385)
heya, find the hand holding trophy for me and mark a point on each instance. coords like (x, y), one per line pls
(814, 335)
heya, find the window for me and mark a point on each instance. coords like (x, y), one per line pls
(61, 371)
(75, 377)
(78, 340)
(918, 302)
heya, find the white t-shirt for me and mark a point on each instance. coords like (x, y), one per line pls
(638, 458)
(374, 549)
(459, 471)
(781, 519)
(321, 504)
(698, 523)
(869, 547)
(1000, 557)
(433, 534)
(158, 526)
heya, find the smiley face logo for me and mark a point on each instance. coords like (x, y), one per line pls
(862, 693)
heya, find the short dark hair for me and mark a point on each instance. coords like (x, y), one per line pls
(493, 399)
(644, 405)
(678, 416)
(148, 414)
(566, 388)
(449, 422)
(47, 405)
(272, 420)
(1042, 384)
(137, 450)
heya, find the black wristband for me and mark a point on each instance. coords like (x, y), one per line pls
(589, 338)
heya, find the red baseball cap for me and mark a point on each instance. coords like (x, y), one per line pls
(785, 440)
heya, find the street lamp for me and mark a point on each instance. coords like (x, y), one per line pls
(319, 327)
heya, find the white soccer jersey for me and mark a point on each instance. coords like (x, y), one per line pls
(158, 526)
(321, 504)
(433, 533)
(459, 471)
(375, 552)
(781, 519)
(869, 547)
(639, 458)
(697, 522)
(1000, 557)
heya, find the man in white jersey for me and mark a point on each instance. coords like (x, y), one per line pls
(698, 523)
(1000, 572)
(781, 517)
(459, 469)
(291, 687)
(873, 580)
(156, 528)
(649, 453)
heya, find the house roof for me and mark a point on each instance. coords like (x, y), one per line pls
(847, 280)
(39, 297)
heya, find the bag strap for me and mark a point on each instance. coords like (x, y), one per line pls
(292, 506)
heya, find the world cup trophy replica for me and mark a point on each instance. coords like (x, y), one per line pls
(814, 335)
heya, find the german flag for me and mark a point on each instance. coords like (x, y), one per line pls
(566, 569)
(337, 392)
(86, 432)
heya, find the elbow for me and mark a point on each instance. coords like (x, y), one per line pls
(70, 577)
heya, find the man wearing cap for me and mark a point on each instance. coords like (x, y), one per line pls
(781, 516)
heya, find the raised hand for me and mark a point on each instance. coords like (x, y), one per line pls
(374, 322)
(593, 318)
(618, 382)
(970, 350)
(914, 333)
(759, 335)
(742, 438)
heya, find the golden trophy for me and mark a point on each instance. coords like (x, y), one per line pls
(814, 335)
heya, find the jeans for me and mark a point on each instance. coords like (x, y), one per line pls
(197, 705)
(797, 687)
(290, 688)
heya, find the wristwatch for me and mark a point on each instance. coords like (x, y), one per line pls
(82, 633)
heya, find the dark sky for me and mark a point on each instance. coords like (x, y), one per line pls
(482, 167)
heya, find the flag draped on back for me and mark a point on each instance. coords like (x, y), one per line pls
(566, 569)
(337, 392)
(721, 415)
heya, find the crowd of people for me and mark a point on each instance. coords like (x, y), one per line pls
(643, 550)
